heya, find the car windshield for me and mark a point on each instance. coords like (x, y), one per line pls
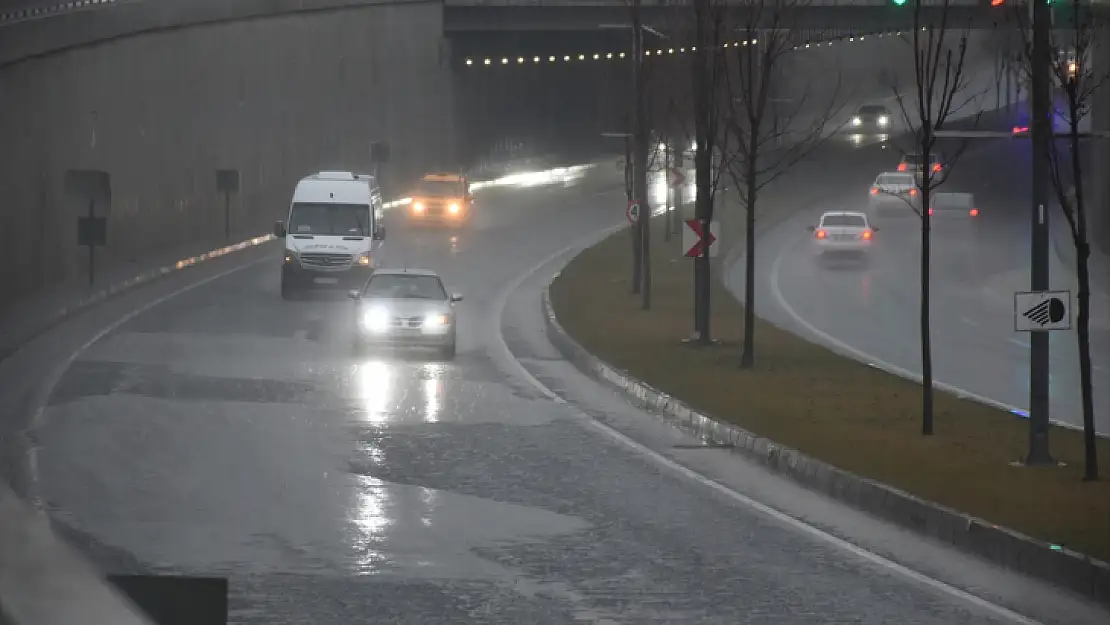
(404, 286)
(895, 179)
(330, 219)
(852, 221)
(439, 188)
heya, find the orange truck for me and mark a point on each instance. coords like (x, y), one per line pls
(442, 199)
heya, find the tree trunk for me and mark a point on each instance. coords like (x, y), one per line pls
(926, 334)
(747, 357)
(1083, 254)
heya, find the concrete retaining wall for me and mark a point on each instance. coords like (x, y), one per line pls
(275, 97)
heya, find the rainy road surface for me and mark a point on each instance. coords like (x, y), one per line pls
(226, 432)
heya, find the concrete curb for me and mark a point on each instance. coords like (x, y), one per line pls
(999, 545)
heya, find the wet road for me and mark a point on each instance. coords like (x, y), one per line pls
(871, 309)
(225, 432)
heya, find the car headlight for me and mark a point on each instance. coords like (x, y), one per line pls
(884, 120)
(375, 319)
(436, 320)
(856, 121)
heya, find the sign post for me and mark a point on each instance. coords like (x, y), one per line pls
(89, 188)
(227, 182)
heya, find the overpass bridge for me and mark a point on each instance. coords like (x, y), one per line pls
(842, 16)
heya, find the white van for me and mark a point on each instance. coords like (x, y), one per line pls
(334, 221)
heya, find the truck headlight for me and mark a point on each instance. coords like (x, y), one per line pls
(375, 319)
(364, 259)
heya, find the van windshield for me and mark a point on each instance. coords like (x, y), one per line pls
(351, 220)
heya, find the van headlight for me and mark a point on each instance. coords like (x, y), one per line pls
(375, 320)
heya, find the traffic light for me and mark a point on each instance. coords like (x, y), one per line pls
(899, 2)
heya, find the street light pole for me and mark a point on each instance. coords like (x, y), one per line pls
(1040, 128)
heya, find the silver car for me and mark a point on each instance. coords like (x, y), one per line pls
(405, 307)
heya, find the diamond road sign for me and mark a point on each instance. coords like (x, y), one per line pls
(1042, 311)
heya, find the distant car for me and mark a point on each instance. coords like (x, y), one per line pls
(953, 205)
(405, 307)
(914, 164)
(871, 118)
(442, 199)
(893, 192)
(843, 231)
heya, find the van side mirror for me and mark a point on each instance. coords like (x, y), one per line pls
(379, 233)
(279, 229)
(353, 294)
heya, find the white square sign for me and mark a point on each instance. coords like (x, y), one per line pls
(1042, 311)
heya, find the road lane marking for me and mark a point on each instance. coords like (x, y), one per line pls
(647, 452)
(1019, 342)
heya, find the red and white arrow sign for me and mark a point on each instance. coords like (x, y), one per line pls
(677, 178)
(696, 241)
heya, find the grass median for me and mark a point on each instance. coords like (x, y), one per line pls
(833, 408)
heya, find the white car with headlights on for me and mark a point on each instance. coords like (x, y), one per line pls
(843, 232)
(405, 307)
(871, 118)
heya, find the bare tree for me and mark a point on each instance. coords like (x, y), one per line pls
(1077, 81)
(940, 90)
(769, 133)
(709, 108)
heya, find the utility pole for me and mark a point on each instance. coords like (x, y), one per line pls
(640, 158)
(1040, 128)
(667, 214)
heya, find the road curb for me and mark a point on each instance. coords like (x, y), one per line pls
(1015, 551)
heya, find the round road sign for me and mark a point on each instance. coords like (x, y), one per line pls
(633, 211)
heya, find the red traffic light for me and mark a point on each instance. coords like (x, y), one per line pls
(997, 3)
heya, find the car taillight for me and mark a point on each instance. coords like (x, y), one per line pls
(936, 166)
(913, 192)
(901, 167)
(874, 190)
(974, 212)
(866, 235)
(930, 211)
(821, 234)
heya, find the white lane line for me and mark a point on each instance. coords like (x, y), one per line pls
(782, 517)
(1019, 342)
(969, 322)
